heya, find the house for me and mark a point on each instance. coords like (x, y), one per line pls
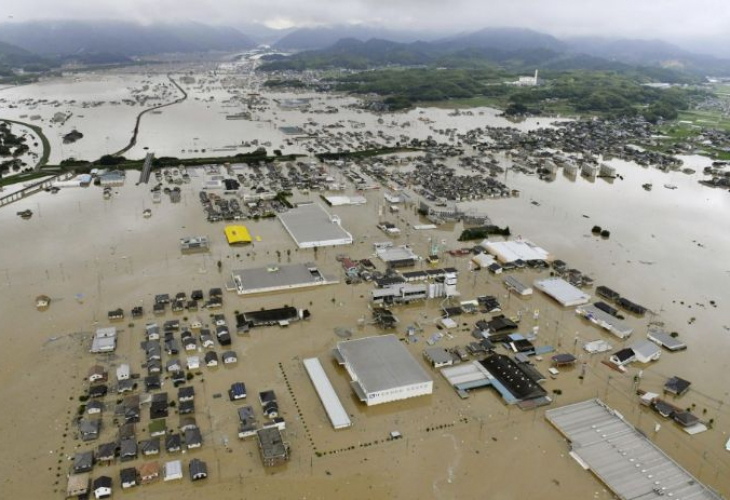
(106, 453)
(173, 470)
(229, 357)
(677, 386)
(150, 446)
(211, 358)
(189, 344)
(127, 431)
(128, 449)
(438, 357)
(172, 443)
(137, 312)
(178, 378)
(158, 427)
(186, 394)
(105, 340)
(97, 373)
(193, 438)
(126, 386)
(128, 477)
(94, 407)
(198, 469)
(116, 314)
(646, 351)
(149, 472)
(685, 418)
(237, 391)
(187, 422)
(223, 335)
(623, 357)
(171, 346)
(173, 365)
(186, 407)
(154, 366)
(273, 449)
(158, 409)
(89, 429)
(83, 462)
(247, 420)
(123, 372)
(152, 383)
(197, 295)
(152, 330)
(78, 485)
(206, 340)
(98, 391)
(193, 362)
(102, 487)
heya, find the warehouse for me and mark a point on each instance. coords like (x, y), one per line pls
(276, 278)
(312, 226)
(332, 404)
(562, 291)
(396, 257)
(512, 251)
(620, 456)
(382, 369)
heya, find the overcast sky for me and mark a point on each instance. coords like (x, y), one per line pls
(666, 19)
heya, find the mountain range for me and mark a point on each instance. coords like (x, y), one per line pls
(54, 42)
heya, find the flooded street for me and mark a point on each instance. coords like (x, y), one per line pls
(667, 250)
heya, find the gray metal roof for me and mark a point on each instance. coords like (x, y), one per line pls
(381, 363)
(279, 277)
(626, 461)
(311, 225)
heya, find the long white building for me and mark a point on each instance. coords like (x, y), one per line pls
(382, 369)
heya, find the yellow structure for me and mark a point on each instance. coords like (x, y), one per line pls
(237, 235)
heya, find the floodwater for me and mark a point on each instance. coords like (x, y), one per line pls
(92, 255)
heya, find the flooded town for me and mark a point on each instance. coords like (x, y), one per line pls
(293, 294)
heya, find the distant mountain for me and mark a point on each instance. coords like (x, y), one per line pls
(505, 39)
(63, 38)
(13, 57)
(648, 53)
(326, 36)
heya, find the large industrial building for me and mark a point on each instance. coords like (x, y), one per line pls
(312, 226)
(277, 278)
(622, 457)
(382, 369)
(514, 250)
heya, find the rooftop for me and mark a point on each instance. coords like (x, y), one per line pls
(562, 291)
(331, 402)
(310, 226)
(381, 363)
(622, 458)
(279, 277)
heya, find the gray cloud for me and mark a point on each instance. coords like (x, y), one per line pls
(668, 19)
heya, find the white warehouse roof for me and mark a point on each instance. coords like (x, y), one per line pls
(562, 291)
(312, 226)
(382, 369)
(510, 251)
(332, 404)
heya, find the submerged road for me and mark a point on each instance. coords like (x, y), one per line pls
(133, 140)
